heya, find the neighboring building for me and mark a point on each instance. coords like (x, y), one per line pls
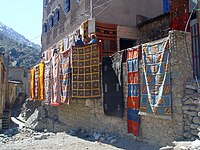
(2, 87)
(62, 17)
(154, 28)
(15, 88)
(20, 75)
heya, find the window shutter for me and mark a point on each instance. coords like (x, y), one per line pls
(66, 6)
(51, 23)
(56, 16)
(44, 28)
(45, 3)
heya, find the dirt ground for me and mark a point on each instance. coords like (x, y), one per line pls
(63, 141)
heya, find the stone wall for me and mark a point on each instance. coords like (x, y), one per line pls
(154, 29)
(88, 114)
(191, 111)
(163, 131)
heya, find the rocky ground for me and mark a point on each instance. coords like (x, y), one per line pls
(79, 139)
(37, 127)
(22, 139)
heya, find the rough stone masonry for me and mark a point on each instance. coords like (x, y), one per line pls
(161, 131)
(191, 111)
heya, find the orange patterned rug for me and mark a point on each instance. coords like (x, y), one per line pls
(85, 72)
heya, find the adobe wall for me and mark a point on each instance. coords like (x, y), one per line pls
(163, 131)
(88, 114)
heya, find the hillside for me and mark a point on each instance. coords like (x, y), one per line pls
(22, 52)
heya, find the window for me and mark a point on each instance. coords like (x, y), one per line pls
(66, 6)
(44, 28)
(56, 16)
(166, 6)
(51, 24)
(45, 3)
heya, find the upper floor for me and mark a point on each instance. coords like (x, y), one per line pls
(62, 17)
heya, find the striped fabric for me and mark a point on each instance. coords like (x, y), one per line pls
(41, 81)
(32, 83)
(156, 89)
(36, 81)
(133, 91)
(55, 97)
(47, 81)
(65, 76)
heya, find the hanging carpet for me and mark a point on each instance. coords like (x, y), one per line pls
(36, 81)
(113, 99)
(55, 98)
(41, 81)
(156, 89)
(65, 76)
(85, 72)
(133, 91)
(47, 81)
(32, 83)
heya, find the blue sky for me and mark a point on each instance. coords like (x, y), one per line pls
(24, 16)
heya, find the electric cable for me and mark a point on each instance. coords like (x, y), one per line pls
(104, 8)
(102, 4)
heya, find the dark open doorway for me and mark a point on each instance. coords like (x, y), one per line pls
(127, 43)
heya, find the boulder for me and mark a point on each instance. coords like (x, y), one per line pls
(189, 91)
(40, 137)
(167, 148)
(113, 141)
(37, 126)
(188, 101)
(191, 113)
(33, 118)
(186, 107)
(193, 126)
(196, 120)
(194, 132)
(195, 96)
(192, 87)
(96, 136)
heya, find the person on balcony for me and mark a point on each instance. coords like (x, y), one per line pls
(93, 39)
(86, 40)
(79, 41)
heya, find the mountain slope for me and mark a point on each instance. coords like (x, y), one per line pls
(22, 52)
(9, 32)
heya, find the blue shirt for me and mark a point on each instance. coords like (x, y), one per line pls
(93, 41)
(79, 42)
